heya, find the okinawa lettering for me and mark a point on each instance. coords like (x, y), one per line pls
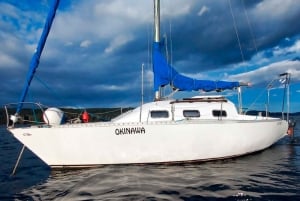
(134, 130)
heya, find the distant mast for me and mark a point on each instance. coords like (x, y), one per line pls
(157, 32)
(35, 60)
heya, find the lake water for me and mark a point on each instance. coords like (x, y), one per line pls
(273, 174)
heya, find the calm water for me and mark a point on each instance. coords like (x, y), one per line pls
(273, 174)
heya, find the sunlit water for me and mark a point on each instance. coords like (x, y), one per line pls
(273, 174)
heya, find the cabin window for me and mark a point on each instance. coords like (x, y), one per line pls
(191, 113)
(159, 114)
(219, 113)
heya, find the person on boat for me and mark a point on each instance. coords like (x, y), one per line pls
(85, 117)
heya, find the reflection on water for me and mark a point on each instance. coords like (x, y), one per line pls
(266, 174)
(273, 174)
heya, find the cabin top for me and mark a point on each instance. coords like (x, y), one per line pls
(198, 107)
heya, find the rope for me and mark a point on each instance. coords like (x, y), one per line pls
(50, 89)
(260, 95)
(171, 42)
(236, 31)
(107, 112)
(250, 27)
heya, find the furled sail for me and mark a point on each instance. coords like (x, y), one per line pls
(165, 74)
(36, 57)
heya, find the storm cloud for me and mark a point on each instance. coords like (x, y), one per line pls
(95, 50)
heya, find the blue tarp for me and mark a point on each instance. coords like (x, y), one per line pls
(165, 74)
(35, 60)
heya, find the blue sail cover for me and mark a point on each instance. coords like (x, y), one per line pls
(165, 74)
(35, 60)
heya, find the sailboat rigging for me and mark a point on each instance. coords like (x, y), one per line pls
(198, 128)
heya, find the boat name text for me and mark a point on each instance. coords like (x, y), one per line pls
(133, 130)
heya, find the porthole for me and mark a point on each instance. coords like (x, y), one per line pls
(219, 113)
(159, 114)
(191, 113)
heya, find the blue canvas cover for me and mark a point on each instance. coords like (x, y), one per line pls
(165, 74)
(35, 60)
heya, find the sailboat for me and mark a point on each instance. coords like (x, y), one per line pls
(198, 128)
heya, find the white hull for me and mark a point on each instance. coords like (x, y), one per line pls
(94, 144)
(163, 131)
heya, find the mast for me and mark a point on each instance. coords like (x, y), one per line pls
(157, 32)
(35, 60)
(165, 74)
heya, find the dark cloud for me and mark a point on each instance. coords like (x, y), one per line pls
(212, 38)
(94, 52)
(251, 4)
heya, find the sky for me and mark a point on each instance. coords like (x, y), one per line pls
(95, 51)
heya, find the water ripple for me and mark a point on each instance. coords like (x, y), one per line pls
(273, 174)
